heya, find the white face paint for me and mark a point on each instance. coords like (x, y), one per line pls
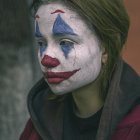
(69, 50)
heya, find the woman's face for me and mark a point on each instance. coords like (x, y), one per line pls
(69, 52)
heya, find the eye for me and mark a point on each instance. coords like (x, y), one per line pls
(66, 43)
(41, 43)
(66, 46)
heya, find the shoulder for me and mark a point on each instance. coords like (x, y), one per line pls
(29, 132)
(129, 76)
(129, 127)
(132, 118)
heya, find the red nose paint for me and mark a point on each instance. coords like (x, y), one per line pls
(58, 11)
(49, 62)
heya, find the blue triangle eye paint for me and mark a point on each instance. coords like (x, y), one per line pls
(66, 47)
(37, 31)
(66, 51)
(42, 49)
(61, 27)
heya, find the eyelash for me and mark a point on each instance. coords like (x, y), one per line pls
(42, 43)
(69, 42)
(65, 42)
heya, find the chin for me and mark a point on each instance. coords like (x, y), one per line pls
(59, 90)
(63, 88)
(69, 86)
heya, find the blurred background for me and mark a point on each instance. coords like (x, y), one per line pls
(132, 48)
(19, 68)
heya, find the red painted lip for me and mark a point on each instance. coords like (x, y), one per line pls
(58, 77)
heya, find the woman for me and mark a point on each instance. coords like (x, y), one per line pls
(88, 92)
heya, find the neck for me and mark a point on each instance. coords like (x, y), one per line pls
(88, 99)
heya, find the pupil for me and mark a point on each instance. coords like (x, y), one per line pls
(63, 43)
(40, 43)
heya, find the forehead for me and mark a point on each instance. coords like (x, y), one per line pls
(48, 13)
(50, 10)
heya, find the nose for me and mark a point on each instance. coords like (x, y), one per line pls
(49, 62)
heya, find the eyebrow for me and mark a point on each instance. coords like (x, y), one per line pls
(59, 35)
(64, 34)
(37, 16)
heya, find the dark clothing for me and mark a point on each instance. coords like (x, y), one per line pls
(76, 128)
(120, 118)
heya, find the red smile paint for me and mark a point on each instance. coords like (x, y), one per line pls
(58, 77)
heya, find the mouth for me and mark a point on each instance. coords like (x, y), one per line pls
(58, 77)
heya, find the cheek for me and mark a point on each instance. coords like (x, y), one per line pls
(85, 55)
(89, 61)
(39, 55)
(39, 59)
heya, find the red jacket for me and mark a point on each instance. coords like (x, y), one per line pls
(120, 119)
(128, 129)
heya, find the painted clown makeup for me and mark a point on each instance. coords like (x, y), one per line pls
(69, 52)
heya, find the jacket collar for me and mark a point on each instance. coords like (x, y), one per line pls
(123, 93)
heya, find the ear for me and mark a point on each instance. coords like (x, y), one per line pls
(104, 56)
